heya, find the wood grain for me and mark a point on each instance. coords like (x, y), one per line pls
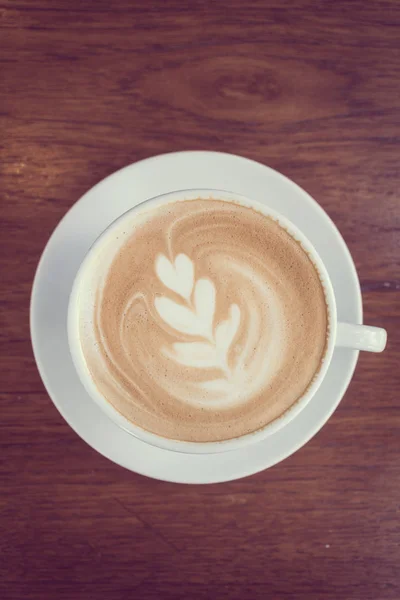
(309, 87)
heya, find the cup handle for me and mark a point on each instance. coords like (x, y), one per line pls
(361, 337)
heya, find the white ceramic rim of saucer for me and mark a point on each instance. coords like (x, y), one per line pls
(200, 169)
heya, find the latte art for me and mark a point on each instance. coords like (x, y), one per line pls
(226, 371)
(209, 322)
(196, 319)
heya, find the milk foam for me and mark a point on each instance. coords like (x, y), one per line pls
(209, 322)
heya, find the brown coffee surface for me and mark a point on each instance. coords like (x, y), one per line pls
(210, 322)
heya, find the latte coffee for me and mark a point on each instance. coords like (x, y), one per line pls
(205, 321)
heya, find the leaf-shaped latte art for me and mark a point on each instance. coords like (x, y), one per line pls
(177, 276)
(195, 319)
(178, 317)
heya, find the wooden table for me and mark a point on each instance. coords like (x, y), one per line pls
(310, 88)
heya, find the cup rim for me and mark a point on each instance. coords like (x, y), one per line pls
(181, 445)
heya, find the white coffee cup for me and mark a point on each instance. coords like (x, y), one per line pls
(360, 337)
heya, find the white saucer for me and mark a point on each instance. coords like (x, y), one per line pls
(67, 248)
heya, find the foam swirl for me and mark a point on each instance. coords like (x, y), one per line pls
(209, 322)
